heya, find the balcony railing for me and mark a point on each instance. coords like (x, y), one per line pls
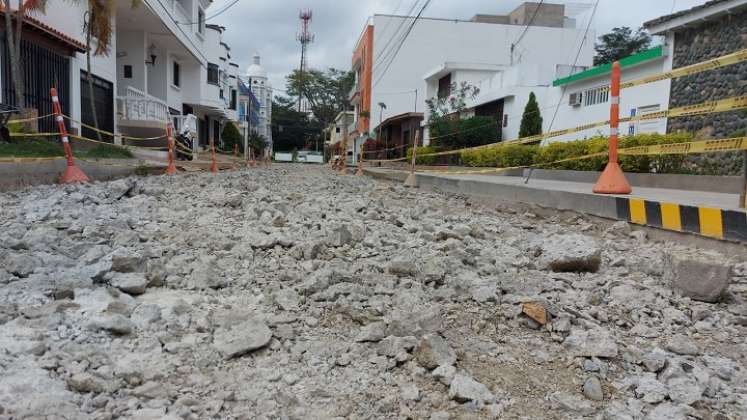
(137, 105)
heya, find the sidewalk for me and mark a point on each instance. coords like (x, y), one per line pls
(712, 214)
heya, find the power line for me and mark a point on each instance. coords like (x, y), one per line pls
(526, 29)
(402, 42)
(386, 50)
(562, 92)
(213, 16)
(399, 3)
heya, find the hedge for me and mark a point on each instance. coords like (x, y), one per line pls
(521, 155)
(467, 132)
(428, 160)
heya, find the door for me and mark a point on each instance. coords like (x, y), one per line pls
(103, 98)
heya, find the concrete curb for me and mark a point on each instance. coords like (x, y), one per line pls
(723, 224)
(19, 175)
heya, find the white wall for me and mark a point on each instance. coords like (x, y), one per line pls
(133, 44)
(433, 42)
(174, 97)
(630, 99)
(157, 75)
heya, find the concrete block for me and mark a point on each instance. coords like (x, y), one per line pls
(700, 276)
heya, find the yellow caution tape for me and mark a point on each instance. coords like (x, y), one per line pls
(29, 119)
(109, 133)
(386, 150)
(77, 137)
(29, 159)
(722, 105)
(692, 147)
(34, 134)
(385, 160)
(723, 61)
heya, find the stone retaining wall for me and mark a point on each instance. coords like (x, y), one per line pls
(694, 45)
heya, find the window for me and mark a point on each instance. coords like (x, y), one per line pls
(597, 95)
(650, 125)
(337, 129)
(200, 21)
(127, 71)
(221, 93)
(233, 99)
(213, 74)
(444, 86)
(505, 120)
(176, 75)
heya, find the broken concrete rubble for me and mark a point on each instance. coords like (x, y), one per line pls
(292, 292)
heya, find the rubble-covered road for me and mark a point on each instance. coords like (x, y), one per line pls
(296, 293)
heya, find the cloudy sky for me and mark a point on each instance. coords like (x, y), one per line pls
(269, 26)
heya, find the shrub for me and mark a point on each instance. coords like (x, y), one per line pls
(531, 120)
(521, 155)
(231, 137)
(427, 160)
(468, 132)
(506, 156)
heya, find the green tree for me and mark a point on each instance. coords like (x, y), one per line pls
(231, 137)
(258, 143)
(292, 129)
(448, 129)
(531, 121)
(327, 92)
(620, 43)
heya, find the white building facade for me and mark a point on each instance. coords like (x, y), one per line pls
(567, 97)
(489, 43)
(164, 62)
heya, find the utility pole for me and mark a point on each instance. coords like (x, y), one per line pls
(305, 37)
(382, 107)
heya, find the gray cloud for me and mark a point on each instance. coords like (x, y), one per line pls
(270, 26)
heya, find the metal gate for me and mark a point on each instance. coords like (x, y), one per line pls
(42, 69)
(103, 94)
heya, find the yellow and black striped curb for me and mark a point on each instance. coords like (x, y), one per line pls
(707, 221)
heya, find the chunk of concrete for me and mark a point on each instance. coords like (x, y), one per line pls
(699, 276)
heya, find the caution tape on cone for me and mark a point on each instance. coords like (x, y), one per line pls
(723, 105)
(22, 120)
(684, 148)
(385, 160)
(13, 159)
(109, 133)
(692, 147)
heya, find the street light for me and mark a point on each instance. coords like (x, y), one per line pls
(382, 107)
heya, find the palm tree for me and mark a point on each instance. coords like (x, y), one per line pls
(13, 41)
(98, 24)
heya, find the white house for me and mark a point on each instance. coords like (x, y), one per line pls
(164, 61)
(567, 97)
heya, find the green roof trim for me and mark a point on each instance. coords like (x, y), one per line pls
(628, 61)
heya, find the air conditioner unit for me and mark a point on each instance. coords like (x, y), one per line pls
(575, 99)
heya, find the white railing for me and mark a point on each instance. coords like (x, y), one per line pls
(139, 106)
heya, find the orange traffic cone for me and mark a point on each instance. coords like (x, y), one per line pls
(72, 173)
(612, 180)
(214, 164)
(171, 169)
